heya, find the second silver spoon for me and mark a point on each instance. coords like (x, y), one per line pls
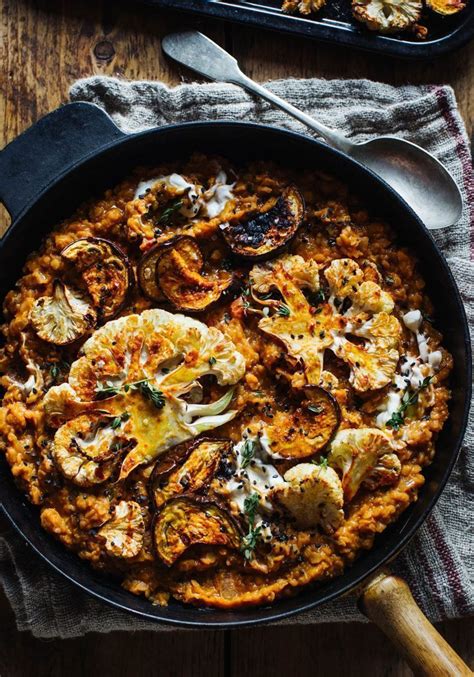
(422, 181)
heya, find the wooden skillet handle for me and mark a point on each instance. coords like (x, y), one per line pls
(388, 602)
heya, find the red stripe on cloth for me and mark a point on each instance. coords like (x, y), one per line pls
(463, 155)
(449, 564)
(427, 567)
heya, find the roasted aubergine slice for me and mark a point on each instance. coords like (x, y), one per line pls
(105, 271)
(303, 427)
(190, 520)
(179, 275)
(264, 235)
(187, 468)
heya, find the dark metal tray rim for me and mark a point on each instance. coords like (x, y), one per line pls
(330, 33)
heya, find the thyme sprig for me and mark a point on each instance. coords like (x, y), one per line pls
(321, 462)
(57, 367)
(118, 420)
(283, 310)
(250, 540)
(154, 395)
(248, 452)
(397, 419)
(168, 212)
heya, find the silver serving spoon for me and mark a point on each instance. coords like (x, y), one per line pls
(415, 174)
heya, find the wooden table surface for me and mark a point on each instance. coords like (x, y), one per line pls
(44, 47)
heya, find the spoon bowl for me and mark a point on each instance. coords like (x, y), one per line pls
(422, 181)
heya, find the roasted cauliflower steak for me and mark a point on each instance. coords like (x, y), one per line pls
(355, 308)
(135, 392)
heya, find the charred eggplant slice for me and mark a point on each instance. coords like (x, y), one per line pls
(264, 235)
(303, 428)
(179, 272)
(187, 468)
(63, 317)
(146, 273)
(188, 520)
(105, 271)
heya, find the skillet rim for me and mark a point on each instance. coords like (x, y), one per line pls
(267, 613)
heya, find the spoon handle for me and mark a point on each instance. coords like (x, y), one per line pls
(333, 138)
(198, 52)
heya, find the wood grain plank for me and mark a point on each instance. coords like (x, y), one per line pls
(118, 654)
(44, 47)
(343, 649)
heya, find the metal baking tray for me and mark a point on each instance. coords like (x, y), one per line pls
(335, 24)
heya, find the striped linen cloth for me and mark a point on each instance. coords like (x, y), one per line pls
(439, 563)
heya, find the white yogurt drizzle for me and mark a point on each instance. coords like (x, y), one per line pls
(258, 477)
(209, 203)
(413, 370)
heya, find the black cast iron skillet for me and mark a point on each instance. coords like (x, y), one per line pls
(75, 153)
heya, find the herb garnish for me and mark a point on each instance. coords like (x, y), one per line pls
(56, 368)
(283, 310)
(168, 212)
(118, 420)
(151, 393)
(212, 360)
(321, 463)
(315, 298)
(249, 541)
(102, 391)
(148, 391)
(248, 452)
(397, 419)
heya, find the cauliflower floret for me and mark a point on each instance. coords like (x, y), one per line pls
(304, 274)
(357, 453)
(302, 6)
(354, 308)
(313, 495)
(372, 298)
(82, 449)
(135, 372)
(123, 532)
(344, 277)
(386, 472)
(372, 367)
(387, 16)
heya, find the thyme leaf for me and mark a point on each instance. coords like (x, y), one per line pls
(321, 463)
(102, 391)
(249, 541)
(397, 419)
(148, 391)
(283, 310)
(168, 212)
(152, 394)
(118, 420)
(248, 452)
